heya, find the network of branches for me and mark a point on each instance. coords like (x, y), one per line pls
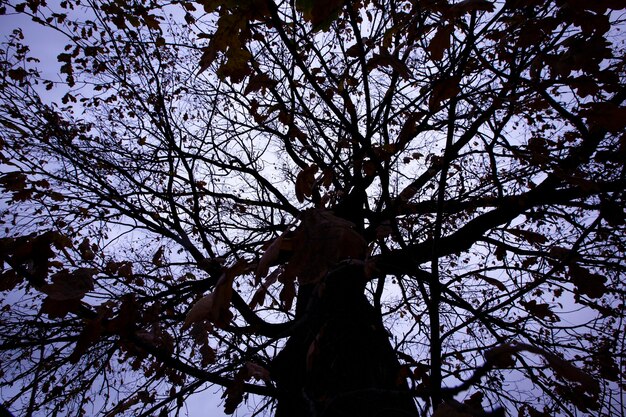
(184, 175)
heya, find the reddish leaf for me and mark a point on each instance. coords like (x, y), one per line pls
(215, 307)
(320, 13)
(527, 235)
(70, 286)
(443, 89)
(541, 310)
(587, 283)
(259, 82)
(468, 6)
(440, 42)
(304, 182)
(492, 281)
(85, 250)
(157, 258)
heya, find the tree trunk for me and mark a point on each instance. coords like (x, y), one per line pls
(339, 362)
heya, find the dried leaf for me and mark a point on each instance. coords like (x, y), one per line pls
(287, 294)
(566, 370)
(443, 89)
(215, 307)
(492, 281)
(440, 42)
(527, 235)
(70, 286)
(85, 250)
(541, 310)
(305, 182)
(468, 6)
(320, 242)
(321, 13)
(157, 258)
(501, 357)
(587, 283)
(385, 59)
(259, 82)
(271, 255)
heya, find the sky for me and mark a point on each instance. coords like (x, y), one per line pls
(45, 44)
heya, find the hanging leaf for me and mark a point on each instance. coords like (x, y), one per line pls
(85, 250)
(440, 42)
(287, 294)
(321, 13)
(259, 82)
(587, 283)
(529, 236)
(540, 310)
(320, 242)
(215, 307)
(157, 258)
(468, 6)
(305, 180)
(443, 89)
(496, 283)
(70, 285)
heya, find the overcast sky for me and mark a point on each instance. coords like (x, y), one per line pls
(45, 44)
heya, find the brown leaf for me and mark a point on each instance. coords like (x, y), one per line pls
(9, 280)
(259, 82)
(56, 309)
(527, 235)
(88, 336)
(287, 295)
(320, 242)
(566, 370)
(440, 42)
(259, 295)
(70, 286)
(257, 372)
(305, 182)
(272, 254)
(237, 65)
(501, 357)
(409, 129)
(85, 250)
(492, 281)
(385, 59)
(443, 89)
(607, 116)
(541, 310)
(468, 6)
(321, 13)
(587, 283)
(157, 258)
(215, 307)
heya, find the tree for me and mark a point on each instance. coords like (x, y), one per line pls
(345, 208)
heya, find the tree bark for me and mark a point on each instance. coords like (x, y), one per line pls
(339, 361)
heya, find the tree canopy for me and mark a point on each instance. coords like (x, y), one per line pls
(326, 208)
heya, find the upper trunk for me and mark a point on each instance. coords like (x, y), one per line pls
(339, 361)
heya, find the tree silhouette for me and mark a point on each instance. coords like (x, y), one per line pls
(372, 208)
